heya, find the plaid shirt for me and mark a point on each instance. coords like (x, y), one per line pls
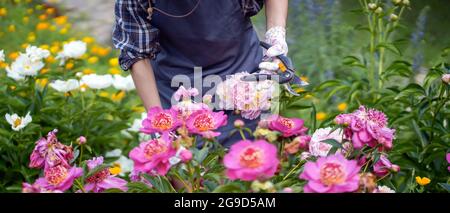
(137, 39)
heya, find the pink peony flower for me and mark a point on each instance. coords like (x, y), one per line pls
(160, 121)
(250, 98)
(49, 152)
(319, 148)
(332, 174)
(59, 177)
(102, 179)
(287, 126)
(446, 78)
(203, 122)
(186, 155)
(448, 160)
(367, 127)
(249, 161)
(36, 188)
(185, 94)
(383, 166)
(153, 156)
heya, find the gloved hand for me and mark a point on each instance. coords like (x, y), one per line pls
(275, 36)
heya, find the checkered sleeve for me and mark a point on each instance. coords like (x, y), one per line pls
(133, 34)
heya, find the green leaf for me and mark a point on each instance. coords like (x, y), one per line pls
(446, 186)
(229, 188)
(390, 47)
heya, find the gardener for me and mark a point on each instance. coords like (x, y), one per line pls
(179, 35)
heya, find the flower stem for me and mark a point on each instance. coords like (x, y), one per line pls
(293, 169)
(80, 185)
(80, 158)
(242, 134)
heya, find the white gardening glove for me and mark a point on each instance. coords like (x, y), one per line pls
(276, 37)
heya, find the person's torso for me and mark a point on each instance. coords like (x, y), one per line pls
(217, 36)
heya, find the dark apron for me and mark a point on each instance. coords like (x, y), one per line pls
(217, 36)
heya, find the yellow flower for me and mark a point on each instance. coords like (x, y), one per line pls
(92, 60)
(60, 20)
(3, 12)
(63, 31)
(12, 28)
(42, 82)
(116, 169)
(88, 40)
(50, 59)
(104, 94)
(100, 51)
(320, 116)
(30, 11)
(42, 17)
(43, 71)
(25, 45)
(12, 87)
(42, 26)
(3, 65)
(45, 46)
(114, 62)
(83, 87)
(31, 37)
(342, 107)
(118, 96)
(54, 49)
(13, 55)
(88, 71)
(69, 66)
(50, 11)
(308, 96)
(114, 71)
(422, 181)
(26, 19)
(53, 28)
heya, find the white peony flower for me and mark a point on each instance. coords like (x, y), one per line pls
(74, 49)
(137, 123)
(36, 54)
(383, 189)
(65, 86)
(14, 74)
(24, 66)
(95, 81)
(17, 122)
(319, 148)
(123, 83)
(2, 55)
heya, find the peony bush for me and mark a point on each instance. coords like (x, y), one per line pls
(73, 122)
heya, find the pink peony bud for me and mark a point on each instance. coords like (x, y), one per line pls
(395, 168)
(81, 140)
(446, 78)
(304, 141)
(207, 99)
(186, 155)
(239, 123)
(288, 190)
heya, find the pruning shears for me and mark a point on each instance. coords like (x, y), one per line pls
(285, 74)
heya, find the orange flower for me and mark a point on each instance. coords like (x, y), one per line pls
(342, 107)
(3, 12)
(320, 116)
(42, 26)
(13, 55)
(60, 20)
(423, 181)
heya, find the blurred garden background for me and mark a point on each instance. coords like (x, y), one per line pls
(329, 42)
